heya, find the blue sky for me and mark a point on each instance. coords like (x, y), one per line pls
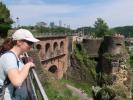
(76, 13)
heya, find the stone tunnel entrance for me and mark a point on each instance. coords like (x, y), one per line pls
(53, 69)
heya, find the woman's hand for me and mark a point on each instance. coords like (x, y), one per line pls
(30, 64)
(27, 59)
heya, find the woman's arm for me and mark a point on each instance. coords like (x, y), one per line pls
(17, 76)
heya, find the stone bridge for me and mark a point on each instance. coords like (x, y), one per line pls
(53, 52)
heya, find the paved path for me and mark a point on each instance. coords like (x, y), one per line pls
(78, 93)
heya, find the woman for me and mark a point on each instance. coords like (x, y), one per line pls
(11, 65)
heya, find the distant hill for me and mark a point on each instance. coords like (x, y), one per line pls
(125, 30)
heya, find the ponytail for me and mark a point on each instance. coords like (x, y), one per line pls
(6, 45)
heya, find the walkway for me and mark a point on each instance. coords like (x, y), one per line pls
(78, 93)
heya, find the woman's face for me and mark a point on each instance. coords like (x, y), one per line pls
(25, 45)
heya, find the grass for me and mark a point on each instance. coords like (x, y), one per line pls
(58, 91)
(83, 86)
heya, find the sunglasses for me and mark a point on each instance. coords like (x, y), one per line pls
(28, 42)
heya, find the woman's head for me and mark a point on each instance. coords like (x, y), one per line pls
(23, 34)
(24, 39)
(21, 38)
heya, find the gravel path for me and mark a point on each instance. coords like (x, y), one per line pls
(77, 92)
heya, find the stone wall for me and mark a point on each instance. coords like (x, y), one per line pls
(113, 44)
(92, 46)
(112, 53)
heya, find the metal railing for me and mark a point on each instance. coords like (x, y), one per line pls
(34, 86)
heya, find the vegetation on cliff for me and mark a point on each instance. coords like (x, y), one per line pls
(131, 59)
(86, 64)
(82, 72)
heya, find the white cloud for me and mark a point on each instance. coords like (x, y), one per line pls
(115, 13)
(30, 12)
(23, 2)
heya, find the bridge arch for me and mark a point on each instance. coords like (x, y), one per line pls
(53, 69)
(47, 50)
(38, 46)
(47, 47)
(55, 48)
(62, 46)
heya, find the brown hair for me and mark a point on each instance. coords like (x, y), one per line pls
(7, 45)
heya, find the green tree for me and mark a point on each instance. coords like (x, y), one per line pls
(5, 20)
(86, 30)
(101, 28)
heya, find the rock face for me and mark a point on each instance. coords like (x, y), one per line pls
(81, 69)
(75, 71)
(114, 60)
(113, 53)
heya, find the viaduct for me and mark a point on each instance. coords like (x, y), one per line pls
(53, 52)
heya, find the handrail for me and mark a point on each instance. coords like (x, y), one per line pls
(33, 95)
(32, 75)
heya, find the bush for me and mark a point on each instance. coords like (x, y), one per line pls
(121, 91)
(105, 94)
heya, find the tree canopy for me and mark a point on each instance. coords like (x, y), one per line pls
(101, 28)
(41, 30)
(5, 20)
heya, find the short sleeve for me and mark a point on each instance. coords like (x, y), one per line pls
(9, 61)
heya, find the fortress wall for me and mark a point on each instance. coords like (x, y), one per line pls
(92, 46)
(114, 44)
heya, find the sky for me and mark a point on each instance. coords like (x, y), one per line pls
(76, 13)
